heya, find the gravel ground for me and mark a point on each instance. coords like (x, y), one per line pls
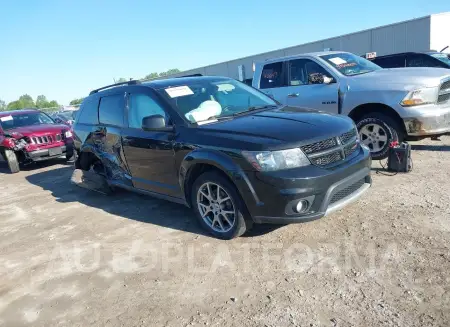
(72, 257)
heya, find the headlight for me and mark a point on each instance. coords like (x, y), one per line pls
(68, 134)
(419, 97)
(276, 160)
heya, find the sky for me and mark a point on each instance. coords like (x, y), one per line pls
(63, 49)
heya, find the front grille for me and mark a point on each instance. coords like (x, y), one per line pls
(333, 149)
(348, 136)
(443, 98)
(47, 139)
(445, 86)
(319, 146)
(339, 195)
(327, 159)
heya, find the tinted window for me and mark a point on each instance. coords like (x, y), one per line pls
(391, 61)
(88, 111)
(271, 76)
(140, 106)
(422, 60)
(301, 69)
(111, 110)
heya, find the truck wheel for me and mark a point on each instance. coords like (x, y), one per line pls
(13, 163)
(377, 131)
(219, 207)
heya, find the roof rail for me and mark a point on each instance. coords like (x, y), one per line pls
(193, 75)
(132, 82)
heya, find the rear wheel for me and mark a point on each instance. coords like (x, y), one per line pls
(13, 162)
(219, 207)
(378, 131)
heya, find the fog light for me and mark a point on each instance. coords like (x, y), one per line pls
(302, 206)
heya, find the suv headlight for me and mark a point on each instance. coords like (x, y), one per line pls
(419, 97)
(276, 160)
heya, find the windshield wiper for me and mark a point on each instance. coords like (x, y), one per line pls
(254, 108)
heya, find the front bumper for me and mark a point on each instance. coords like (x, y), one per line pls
(428, 121)
(46, 154)
(327, 190)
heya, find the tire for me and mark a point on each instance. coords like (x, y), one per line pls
(378, 131)
(13, 162)
(219, 225)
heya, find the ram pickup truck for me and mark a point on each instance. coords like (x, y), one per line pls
(386, 104)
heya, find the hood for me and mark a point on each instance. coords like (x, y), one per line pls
(418, 76)
(286, 126)
(39, 130)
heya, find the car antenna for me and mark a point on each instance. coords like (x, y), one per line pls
(444, 49)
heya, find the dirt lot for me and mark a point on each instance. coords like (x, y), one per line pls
(71, 257)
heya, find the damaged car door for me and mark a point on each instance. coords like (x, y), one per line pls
(148, 150)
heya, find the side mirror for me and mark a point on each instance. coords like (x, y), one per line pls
(155, 123)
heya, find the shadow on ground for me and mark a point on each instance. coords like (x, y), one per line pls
(437, 147)
(126, 204)
(33, 166)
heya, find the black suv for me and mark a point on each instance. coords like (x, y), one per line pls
(228, 151)
(413, 59)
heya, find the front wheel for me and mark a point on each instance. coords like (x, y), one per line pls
(13, 162)
(377, 132)
(219, 207)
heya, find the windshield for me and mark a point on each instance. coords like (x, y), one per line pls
(25, 119)
(205, 100)
(444, 57)
(350, 64)
(68, 115)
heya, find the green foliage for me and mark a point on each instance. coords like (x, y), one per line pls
(2, 105)
(151, 76)
(121, 80)
(26, 101)
(76, 102)
(162, 74)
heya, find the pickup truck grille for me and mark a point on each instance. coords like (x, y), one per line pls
(47, 139)
(444, 92)
(332, 150)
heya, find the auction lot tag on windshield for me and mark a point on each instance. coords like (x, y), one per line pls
(6, 118)
(179, 91)
(337, 61)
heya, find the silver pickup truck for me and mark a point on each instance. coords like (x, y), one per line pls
(386, 104)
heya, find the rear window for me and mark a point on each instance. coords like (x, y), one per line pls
(111, 110)
(390, 62)
(88, 111)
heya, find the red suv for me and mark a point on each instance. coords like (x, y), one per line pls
(30, 135)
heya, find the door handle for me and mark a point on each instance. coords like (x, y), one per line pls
(293, 95)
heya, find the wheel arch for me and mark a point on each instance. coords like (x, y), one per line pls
(199, 161)
(364, 109)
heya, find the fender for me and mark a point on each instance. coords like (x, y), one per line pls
(222, 162)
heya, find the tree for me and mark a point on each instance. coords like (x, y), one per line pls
(15, 105)
(76, 102)
(27, 101)
(120, 80)
(41, 102)
(2, 105)
(173, 71)
(151, 76)
(53, 104)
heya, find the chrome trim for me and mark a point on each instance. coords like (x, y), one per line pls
(348, 199)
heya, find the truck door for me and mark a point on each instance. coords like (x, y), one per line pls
(273, 81)
(301, 91)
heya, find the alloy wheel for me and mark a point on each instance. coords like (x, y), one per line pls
(216, 207)
(374, 136)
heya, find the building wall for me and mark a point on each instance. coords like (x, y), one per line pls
(412, 35)
(440, 30)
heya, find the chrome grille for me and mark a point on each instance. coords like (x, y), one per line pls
(339, 195)
(333, 149)
(444, 98)
(46, 139)
(327, 158)
(348, 136)
(319, 146)
(445, 86)
(444, 92)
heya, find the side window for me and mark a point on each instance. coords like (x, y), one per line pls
(301, 69)
(89, 111)
(140, 106)
(391, 61)
(111, 110)
(422, 60)
(272, 76)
